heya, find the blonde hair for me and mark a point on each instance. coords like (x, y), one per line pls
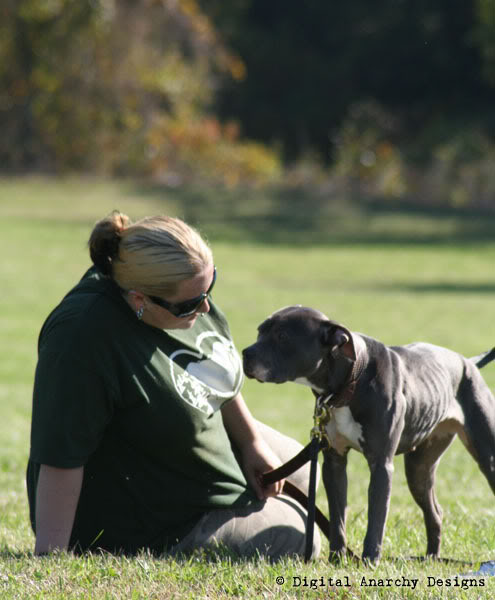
(152, 255)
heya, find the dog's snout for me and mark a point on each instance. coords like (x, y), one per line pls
(249, 361)
(248, 353)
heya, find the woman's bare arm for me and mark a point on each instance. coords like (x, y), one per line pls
(257, 456)
(57, 496)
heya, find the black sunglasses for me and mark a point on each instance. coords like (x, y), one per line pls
(188, 307)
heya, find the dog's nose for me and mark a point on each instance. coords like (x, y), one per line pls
(247, 360)
(248, 353)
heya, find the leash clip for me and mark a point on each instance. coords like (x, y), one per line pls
(320, 419)
(315, 433)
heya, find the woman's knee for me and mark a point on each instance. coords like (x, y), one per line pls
(275, 529)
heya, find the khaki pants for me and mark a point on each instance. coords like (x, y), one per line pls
(273, 528)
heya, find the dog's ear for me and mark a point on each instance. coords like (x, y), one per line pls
(338, 339)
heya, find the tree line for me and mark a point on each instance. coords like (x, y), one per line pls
(378, 91)
(428, 65)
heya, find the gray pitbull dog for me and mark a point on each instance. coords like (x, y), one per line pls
(383, 400)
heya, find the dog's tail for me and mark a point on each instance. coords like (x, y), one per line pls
(483, 359)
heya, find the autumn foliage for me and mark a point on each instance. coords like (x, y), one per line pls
(119, 87)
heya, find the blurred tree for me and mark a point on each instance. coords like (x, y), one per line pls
(308, 62)
(171, 87)
(484, 37)
(116, 86)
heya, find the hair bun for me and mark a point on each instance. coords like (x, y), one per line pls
(105, 239)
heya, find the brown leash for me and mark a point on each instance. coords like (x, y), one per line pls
(324, 402)
(315, 514)
(308, 502)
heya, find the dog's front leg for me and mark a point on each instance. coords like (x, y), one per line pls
(335, 481)
(378, 503)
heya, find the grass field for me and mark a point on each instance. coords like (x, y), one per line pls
(395, 275)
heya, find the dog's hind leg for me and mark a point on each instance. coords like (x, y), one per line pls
(478, 433)
(474, 439)
(421, 465)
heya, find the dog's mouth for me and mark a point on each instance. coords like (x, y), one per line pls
(263, 378)
(253, 369)
(252, 375)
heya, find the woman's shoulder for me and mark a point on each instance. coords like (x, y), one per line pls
(89, 309)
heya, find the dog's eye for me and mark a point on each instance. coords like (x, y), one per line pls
(283, 338)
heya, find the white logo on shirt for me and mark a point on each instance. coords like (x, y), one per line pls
(206, 383)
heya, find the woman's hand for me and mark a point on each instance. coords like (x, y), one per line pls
(258, 458)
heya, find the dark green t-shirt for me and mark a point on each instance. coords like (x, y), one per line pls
(139, 408)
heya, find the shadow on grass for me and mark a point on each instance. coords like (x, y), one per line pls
(299, 217)
(6, 554)
(439, 287)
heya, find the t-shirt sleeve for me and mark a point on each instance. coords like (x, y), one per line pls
(72, 406)
(223, 326)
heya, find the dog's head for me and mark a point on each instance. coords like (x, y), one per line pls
(298, 344)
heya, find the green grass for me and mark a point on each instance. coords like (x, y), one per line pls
(398, 276)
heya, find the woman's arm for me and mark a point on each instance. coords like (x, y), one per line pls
(257, 456)
(57, 496)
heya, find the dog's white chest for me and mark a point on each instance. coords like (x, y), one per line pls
(343, 431)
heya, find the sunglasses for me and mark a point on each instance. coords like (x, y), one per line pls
(188, 307)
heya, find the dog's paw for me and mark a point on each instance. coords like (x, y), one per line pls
(345, 555)
(370, 562)
(335, 558)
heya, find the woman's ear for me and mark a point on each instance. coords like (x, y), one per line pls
(136, 299)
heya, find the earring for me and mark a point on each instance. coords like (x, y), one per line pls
(139, 313)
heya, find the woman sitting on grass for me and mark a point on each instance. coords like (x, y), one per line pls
(140, 436)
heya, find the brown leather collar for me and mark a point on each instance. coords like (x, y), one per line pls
(344, 395)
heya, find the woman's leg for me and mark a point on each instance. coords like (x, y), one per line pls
(273, 528)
